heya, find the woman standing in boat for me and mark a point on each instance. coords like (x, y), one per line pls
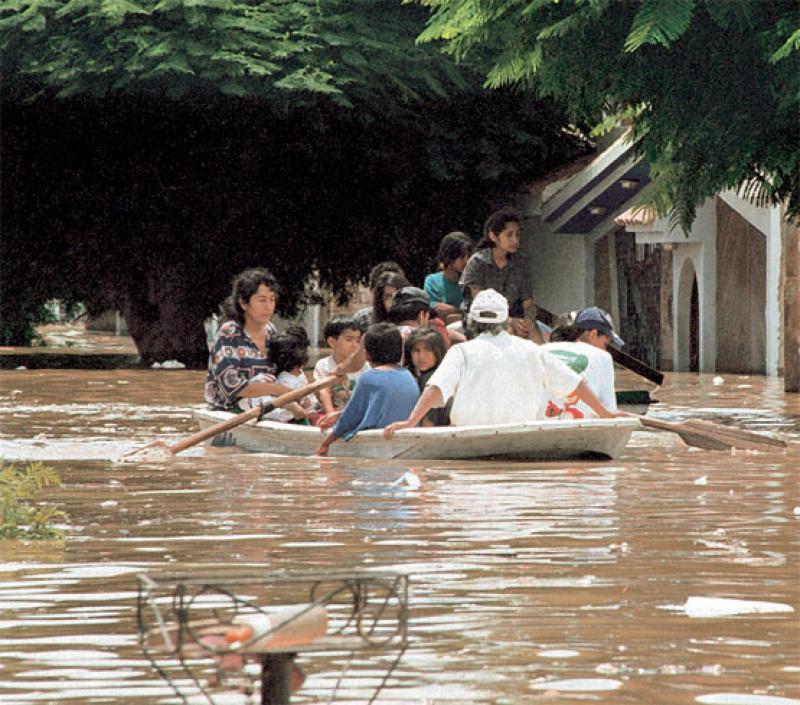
(239, 365)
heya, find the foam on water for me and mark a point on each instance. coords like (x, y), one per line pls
(578, 685)
(744, 699)
(707, 607)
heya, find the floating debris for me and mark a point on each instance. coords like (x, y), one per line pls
(409, 480)
(168, 365)
(705, 607)
(558, 653)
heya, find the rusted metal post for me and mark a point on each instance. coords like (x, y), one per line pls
(276, 672)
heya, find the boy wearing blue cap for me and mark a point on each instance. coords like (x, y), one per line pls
(582, 342)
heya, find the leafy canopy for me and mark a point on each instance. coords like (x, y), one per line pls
(711, 88)
(158, 147)
(342, 49)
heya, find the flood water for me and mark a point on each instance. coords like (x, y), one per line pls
(583, 582)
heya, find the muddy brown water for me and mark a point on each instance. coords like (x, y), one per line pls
(559, 583)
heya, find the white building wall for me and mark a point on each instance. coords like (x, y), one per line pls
(561, 269)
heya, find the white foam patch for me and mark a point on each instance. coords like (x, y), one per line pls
(558, 653)
(709, 607)
(578, 684)
(744, 699)
(83, 449)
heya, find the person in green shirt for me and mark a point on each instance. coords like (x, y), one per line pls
(442, 287)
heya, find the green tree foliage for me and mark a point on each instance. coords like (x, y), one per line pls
(155, 149)
(20, 516)
(711, 88)
(280, 49)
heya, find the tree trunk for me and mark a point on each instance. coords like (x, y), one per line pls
(791, 304)
(165, 320)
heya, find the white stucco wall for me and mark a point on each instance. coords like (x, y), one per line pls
(561, 270)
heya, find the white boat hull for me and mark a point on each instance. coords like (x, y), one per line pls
(537, 440)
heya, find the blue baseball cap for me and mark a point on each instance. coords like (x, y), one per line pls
(595, 318)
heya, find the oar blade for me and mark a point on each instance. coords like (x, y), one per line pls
(732, 437)
(700, 438)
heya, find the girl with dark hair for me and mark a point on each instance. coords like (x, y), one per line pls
(364, 317)
(424, 352)
(498, 265)
(239, 366)
(386, 285)
(443, 287)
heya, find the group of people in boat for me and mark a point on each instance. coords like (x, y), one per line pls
(465, 349)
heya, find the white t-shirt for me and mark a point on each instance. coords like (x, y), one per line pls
(500, 379)
(595, 366)
(339, 394)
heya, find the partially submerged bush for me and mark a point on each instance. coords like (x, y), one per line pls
(20, 517)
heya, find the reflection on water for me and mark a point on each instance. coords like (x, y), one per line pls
(567, 583)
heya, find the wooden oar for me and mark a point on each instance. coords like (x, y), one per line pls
(238, 419)
(712, 436)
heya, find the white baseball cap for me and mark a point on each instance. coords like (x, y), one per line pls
(489, 306)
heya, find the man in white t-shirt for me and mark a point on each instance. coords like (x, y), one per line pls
(583, 345)
(496, 377)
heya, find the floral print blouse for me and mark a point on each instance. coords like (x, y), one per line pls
(235, 359)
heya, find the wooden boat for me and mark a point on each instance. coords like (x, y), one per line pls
(536, 440)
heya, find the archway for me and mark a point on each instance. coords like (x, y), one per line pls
(687, 313)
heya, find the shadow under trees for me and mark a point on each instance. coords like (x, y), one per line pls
(150, 205)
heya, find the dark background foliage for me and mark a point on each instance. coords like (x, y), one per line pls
(154, 148)
(151, 205)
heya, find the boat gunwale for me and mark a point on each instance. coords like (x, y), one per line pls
(432, 432)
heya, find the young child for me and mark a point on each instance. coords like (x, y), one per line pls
(442, 287)
(384, 394)
(343, 337)
(289, 353)
(411, 309)
(423, 352)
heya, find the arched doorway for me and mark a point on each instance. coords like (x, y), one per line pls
(687, 314)
(694, 329)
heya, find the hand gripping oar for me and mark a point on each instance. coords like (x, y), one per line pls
(712, 436)
(276, 403)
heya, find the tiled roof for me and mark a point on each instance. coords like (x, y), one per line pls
(641, 215)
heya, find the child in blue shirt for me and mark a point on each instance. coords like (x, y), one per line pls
(382, 395)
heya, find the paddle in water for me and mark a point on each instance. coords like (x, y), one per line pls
(712, 436)
(162, 449)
